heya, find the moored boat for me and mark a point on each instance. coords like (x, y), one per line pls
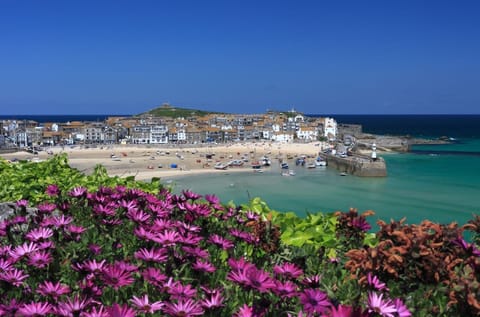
(220, 166)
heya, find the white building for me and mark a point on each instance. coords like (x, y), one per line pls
(330, 129)
(282, 137)
(307, 133)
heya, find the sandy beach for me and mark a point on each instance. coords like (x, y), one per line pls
(147, 161)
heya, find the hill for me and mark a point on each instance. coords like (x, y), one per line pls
(167, 110)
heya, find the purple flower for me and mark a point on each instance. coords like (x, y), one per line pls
(289, 270)
(375, 283)
(14, 277)
(39, 234)
(167, 238)
(78, 192)
(121, 311)
(204, 266)
(225, 244)
(154, 276)
(383, 307)
(361, 223)
(52, 190)
(40, 259)
(117, 277)
(54, 290)
(212, 199)
(401, 308)
(314, 301)
(179, 291)
(35, 309)
(72, 306)
(285, 289)
(152, 255)
(469, 248)
(144, 306)
(22, 203)
(95, 248)
(46, 208)
(215, 300)
(190, 195)
(183, 307)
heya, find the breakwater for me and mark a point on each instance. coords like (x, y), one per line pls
(358, 165)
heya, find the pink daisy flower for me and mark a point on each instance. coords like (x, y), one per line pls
(117, 277)
(153, 255)
(183, 308)
(289, 270)
(144, 306)
(154, 276)
(78, 192)
(14, 277)
(52, 190)
(39, 234)
(383, 307)
(54, 290)
(35, 309)
(213, 301)
(40, 259)
(314, 301)
(225, 244)
(203, 266)
(121, 311)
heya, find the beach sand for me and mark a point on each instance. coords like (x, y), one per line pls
(147, 161)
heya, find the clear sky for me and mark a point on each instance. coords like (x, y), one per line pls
(323, 57)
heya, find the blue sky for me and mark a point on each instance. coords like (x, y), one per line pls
(335, 57)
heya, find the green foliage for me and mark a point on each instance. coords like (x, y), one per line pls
(318, 229)
(176, 112)
(28, 180)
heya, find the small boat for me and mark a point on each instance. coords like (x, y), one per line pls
(343, 174)
(265, 161)
(257, 167)
(220, 166)
(284, 166)
(289, 173)
(235, 163)
(311, 165)
(320, 162)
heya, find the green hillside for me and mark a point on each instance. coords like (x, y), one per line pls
(167, 110)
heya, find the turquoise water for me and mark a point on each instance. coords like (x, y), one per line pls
(441, 184)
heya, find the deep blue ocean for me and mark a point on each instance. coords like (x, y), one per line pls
(436, 182)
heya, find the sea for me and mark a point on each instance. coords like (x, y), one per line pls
(440, 183)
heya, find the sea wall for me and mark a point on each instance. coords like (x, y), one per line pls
(357, 165)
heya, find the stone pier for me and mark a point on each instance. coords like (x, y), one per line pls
(358, 165)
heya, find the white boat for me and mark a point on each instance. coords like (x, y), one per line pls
(289, 173)
(320, 162)
(220, 166)
(311, 165)
(235, 163)
(343, 174)
(265, 161)
(257, 168)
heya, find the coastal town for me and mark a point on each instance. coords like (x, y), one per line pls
(283, 135)
(288, 126)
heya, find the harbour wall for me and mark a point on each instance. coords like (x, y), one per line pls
(357, 165)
